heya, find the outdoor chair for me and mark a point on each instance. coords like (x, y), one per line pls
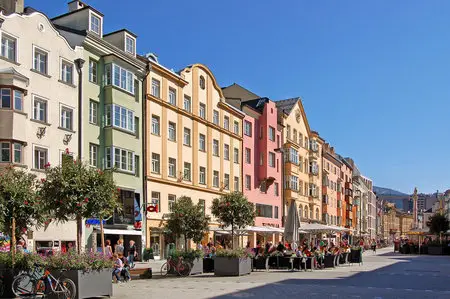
(299, 263)
(329, 261)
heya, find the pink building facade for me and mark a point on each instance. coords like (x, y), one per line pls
(262, 164)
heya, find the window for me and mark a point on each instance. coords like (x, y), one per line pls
(172, 97)
(187, 103)
(202, 82)
(202, 111)
(216, 179)
(93, 71)
(18, 100)
(216, 117)
(40, 109)
(156, 88)
(248, 128)
(236, 183)
(93, 155)
(271, 133)
(5, 152)
(236, 127)
(95, 24)
(236, 155)
(248, 182)
(201, 203)
(187, 171)
(9, 45)
(40, 157)
(263, 210)
(6, 98)
(312, 190)
(66, 118)
(171, 199)
(202, 175)
(288, 132)
(93, 112)
(300, 139)
(261, 158)
(226, 181)
(156, 199)
(130, 45)
(123, 117)
(271, 159)
(67, 72)
(226, 152)
(172, 167)
(275, 212)
(215, 147)
(120, 158)
(119, 77)
(291, 182)
(226, 123)
(155, 163)
(263, 187)
(248, 155)
(172, 131)
(202, 142)
(294, 135)
(187, 137)
(293, 155)
(276, 190)
(40, 61)
(155, 125)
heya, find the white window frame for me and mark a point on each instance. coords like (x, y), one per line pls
(125, 77)
(236, 127)
(226, 152)
(110, 118)
(202, 175)
(110, 151)
(43, 148)
(156, 125)
(226, 122)
(16, 92)
(187, 171)
(63, 118)
(272, 159)
(236, 155)
(42, 51)
(127, 38)
(156, 88)
(156, 163)
(172, 167)
(216, 117)
(172, 96)
(8, 149)
(100, 27)
(202, 142)
(202, 110)
(93, 157)
(43, 100)
(272, 133)
(93, 71)
(187, 103)
(236, 183)
(67, 71)
(15, 41)
(248, 155)
(248, 182)
(171, 200)
(248, 127)
(186, 136)
(172, 131)
(93, 112)
(215, 147)
(226, 181)
(8, 93)
(216, 179)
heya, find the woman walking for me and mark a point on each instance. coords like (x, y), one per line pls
(132, 254)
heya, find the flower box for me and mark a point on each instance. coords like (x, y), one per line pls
(232, 266)
(92, 283)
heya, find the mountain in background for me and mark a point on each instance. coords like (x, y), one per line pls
(386, 191)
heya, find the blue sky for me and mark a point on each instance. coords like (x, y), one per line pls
(373, 75)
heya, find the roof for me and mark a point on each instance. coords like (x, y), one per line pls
(240, 86)
(257, 104)
(78, 10)
(12, 71)
(120, 30)
(286, 105)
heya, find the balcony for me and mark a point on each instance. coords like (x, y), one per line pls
(325, 199)
(348, 185)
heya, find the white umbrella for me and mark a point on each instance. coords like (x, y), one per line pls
(292, 224)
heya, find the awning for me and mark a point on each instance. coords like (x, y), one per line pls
(127, 232)
(317, 228)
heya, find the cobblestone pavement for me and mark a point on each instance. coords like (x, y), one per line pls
(384, 275)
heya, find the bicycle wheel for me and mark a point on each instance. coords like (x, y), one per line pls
(165, 269)
(184, 269)
(23, 285)
(67, 288)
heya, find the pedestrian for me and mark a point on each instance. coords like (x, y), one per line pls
(374, 246)
(132, 254)
(108, 249)
(119, 249)
(118, 264)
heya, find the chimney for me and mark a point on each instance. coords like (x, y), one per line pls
(75, 5)
(12, 6)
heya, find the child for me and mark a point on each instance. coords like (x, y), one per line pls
(118, 264)
(125, 273)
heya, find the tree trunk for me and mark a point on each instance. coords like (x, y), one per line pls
(102, 236)
(79, 233)
(185, 243)
(232, 235)
(13, 241)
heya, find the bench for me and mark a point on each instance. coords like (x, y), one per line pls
(140, 272)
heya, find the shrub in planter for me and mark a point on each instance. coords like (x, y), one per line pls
(232, 262)
(148, 254)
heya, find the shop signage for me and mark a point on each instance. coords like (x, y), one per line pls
(152, 208)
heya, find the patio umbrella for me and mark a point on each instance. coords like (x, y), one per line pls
(292, 224)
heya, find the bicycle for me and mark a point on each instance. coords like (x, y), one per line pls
(33, 284)
(181, 267)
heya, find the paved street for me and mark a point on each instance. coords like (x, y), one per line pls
(384, 275)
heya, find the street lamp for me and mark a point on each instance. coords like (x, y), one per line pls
(283, 218)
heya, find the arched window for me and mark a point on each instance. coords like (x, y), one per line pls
(306, 212)
(300, 212)
(311, 213)
(317, 213)
(202, 82)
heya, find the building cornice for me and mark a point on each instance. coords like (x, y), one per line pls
(178, 184)
(167, 74)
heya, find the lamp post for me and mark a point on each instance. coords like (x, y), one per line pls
(283, 218)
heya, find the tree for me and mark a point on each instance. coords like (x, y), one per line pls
(76, 191)
(188, 220)
(438, 223)
(20, 208)
(234, 210)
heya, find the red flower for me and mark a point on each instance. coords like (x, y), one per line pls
(228, 204)
(47, 165)
(67, 151)
(43, 180)
(60, 201)
(24, 230)
(25, 202)
(86, 199)
(78, 204)
(46, 222)
(118, 189)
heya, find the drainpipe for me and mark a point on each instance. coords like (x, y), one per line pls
(144, 154)
(79, 65)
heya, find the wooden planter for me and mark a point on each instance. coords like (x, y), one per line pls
(90, 283)
(226, 266)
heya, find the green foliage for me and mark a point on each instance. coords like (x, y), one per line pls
(148, 254)
(234, 210)
(189, 255)
(187, 219)
(18, 199)
(438, 223)
(233, 253)
(22, 261)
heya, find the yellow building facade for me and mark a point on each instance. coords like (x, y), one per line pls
(302, 159)
(193, 145)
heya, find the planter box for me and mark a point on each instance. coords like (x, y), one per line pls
(197, 266)
(225, 266)
(8, 277)
(208, 265)
(259, 263)
(356, 256)
(90, 283)
(435, 250)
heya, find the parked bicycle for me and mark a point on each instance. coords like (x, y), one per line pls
(34, 283)
(181, 267)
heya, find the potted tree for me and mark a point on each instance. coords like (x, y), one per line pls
(20, 209)
(235, 211)
(438, 225)
(188, 220)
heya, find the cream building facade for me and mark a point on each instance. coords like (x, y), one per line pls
(302, 160)
(193, 146)
(39, 103)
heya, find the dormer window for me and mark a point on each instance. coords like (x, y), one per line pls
(95, 24)
(130, 46)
